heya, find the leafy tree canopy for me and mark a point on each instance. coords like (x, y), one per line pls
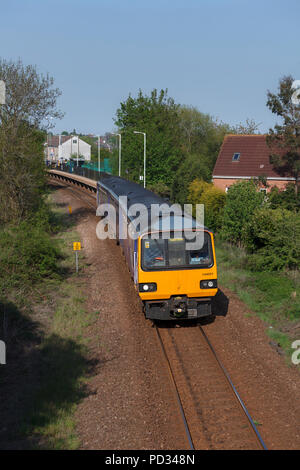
(30, 101)
(157, 115)
(284, 139)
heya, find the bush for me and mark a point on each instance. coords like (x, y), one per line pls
(27, 254)
(286, 199)
(161, 189)
(201, 192)
(214, 201)
(242, 200)
(194, 167)
(273, 238)
(196, 189)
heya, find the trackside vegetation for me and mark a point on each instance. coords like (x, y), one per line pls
(258, 250)
(42, 313)
(43, 322)
(182, 142)
(258, 233)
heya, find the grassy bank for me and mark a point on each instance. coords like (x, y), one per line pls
(46, 341)
(65, 361)
(273, 296)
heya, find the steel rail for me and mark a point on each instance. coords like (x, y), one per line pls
(71, 186)
(75, 193)
(186, 426)
(237, 395)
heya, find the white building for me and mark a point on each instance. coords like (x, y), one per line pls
(63, 147)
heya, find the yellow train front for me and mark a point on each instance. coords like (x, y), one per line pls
(175, 282)
(174, 270)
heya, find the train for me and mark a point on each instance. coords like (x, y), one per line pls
(173, 282)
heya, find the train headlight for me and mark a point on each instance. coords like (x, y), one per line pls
(209, 284)
(148, 287)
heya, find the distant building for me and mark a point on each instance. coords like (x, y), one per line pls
(65, 146)
(243, 157)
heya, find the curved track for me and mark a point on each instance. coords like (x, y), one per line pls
(213, 413)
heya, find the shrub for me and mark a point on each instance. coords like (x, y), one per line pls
(286, 199)
(27, 254)
(241, 202)
(201, 192)
(214, 201)
(161, 189)
(196, 189)
(273, 238)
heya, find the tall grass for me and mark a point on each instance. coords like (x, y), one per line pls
(273, 296)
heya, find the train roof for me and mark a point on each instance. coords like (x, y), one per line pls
(136, 194)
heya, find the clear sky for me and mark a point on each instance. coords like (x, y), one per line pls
(218, 55)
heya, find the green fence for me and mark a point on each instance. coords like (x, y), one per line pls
(104, 166)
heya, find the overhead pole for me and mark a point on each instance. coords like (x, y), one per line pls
(77, 149)
(99, 161)
(144, 134)
(120, 151)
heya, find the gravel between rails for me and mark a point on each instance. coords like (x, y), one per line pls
(131, 403)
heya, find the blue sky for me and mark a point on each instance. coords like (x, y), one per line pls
(218, 55)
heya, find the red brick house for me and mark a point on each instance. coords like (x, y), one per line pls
(243, 157)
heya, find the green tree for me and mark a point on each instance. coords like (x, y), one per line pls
(30, 100)
(286, 199)
(273, 238)
(157, 115)
(196, 189)
(284, 139)
(201, 139)
(242, 200)
(214, 200)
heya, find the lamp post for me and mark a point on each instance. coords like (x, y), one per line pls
(99, 144)
(59, 154)
(48, 118)
(120, 141)
(77, 149)
(144, 134)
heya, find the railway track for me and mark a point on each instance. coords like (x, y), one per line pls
(79, 193)
(213, 413)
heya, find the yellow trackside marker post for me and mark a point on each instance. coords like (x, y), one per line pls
(76, 248)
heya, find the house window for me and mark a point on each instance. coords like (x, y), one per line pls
(236, 157)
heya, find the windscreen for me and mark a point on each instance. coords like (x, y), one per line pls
(173, 253)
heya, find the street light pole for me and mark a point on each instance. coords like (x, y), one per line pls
(120, 143)
(59, 155)
(144, 134)
(48, 118)
(77, 149)
(99, 144)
